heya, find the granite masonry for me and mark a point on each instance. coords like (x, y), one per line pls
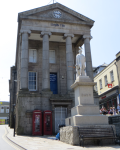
(47, 43)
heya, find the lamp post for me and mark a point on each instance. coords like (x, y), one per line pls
(14, 119)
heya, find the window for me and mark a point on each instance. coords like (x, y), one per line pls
(52, 56)
(95, 87)
(32, 81)
(112, 76)
(33, 55)
(106, 82)
(7, 110)
(100, 81)
(2, 109)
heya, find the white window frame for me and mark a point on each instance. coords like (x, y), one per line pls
(105, 79)
(32, 59)
(7, 109)
(95, 87)
(32, 89)
(2, 110)
(100, 82)
(111, 76)
(52, 60)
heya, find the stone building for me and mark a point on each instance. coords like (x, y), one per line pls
(47, 43)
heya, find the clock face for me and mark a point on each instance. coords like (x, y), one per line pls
(57, 14)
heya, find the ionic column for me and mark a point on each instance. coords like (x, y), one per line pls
(69, 60)
(24, 59)
(45, 61)
(89, 69)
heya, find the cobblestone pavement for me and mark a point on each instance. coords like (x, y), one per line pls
(47, 143)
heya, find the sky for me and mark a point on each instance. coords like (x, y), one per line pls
(105, 32)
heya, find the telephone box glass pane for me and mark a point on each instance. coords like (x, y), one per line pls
(37, 123)
(48, 122)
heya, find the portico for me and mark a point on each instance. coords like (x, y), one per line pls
(69, 40)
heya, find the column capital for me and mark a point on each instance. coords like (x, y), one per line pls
(87, 37)
(68, 35)
(25, 31)
(45, 33)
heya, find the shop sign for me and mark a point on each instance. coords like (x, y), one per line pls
(109, 85)
(103, 97)
(2, 121)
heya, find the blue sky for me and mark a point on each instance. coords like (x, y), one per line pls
(105, 32)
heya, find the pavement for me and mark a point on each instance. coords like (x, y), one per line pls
(46, 143)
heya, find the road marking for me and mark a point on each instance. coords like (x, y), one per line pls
(10, 142)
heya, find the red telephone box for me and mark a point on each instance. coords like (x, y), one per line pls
(37, 122)
(47, 122)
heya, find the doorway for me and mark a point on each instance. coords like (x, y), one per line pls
(53, 83)
(60, 115)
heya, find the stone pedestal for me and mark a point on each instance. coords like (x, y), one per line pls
(85, 111)
(85, 114)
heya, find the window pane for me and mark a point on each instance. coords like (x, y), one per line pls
(30, 73)
(105, 80)
(30, 78)
(32, 81)
(112, 76)
(52, 56)
(100, 81)
(32, 55)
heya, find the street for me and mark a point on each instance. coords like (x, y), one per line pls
(28, 142)
(3, 143)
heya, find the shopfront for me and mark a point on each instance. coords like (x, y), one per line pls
(109, 99)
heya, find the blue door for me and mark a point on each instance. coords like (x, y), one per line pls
(53, 83)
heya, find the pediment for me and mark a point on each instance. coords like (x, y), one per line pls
(55, 12)
(61, 16)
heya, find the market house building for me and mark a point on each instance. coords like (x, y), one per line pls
(47, 43)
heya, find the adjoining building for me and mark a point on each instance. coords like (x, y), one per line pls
(108, 84)
(47, 43)
(4, 112)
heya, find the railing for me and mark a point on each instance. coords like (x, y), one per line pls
(115, 120)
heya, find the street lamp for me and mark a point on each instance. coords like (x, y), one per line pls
(14, 119)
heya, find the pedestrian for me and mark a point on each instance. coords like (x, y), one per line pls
(111, 111)
(118, 109)
(114, 111)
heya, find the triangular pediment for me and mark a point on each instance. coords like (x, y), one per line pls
(55, 12)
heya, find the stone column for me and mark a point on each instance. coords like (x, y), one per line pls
(69, 60)
(24, 60)
(89, 69)
(45, 61)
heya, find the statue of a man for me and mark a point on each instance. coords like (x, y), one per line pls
(80, 64)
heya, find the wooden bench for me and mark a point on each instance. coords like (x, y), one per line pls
(96, 133)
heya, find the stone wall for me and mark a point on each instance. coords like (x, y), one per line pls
(26, 104)
(70, 135)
